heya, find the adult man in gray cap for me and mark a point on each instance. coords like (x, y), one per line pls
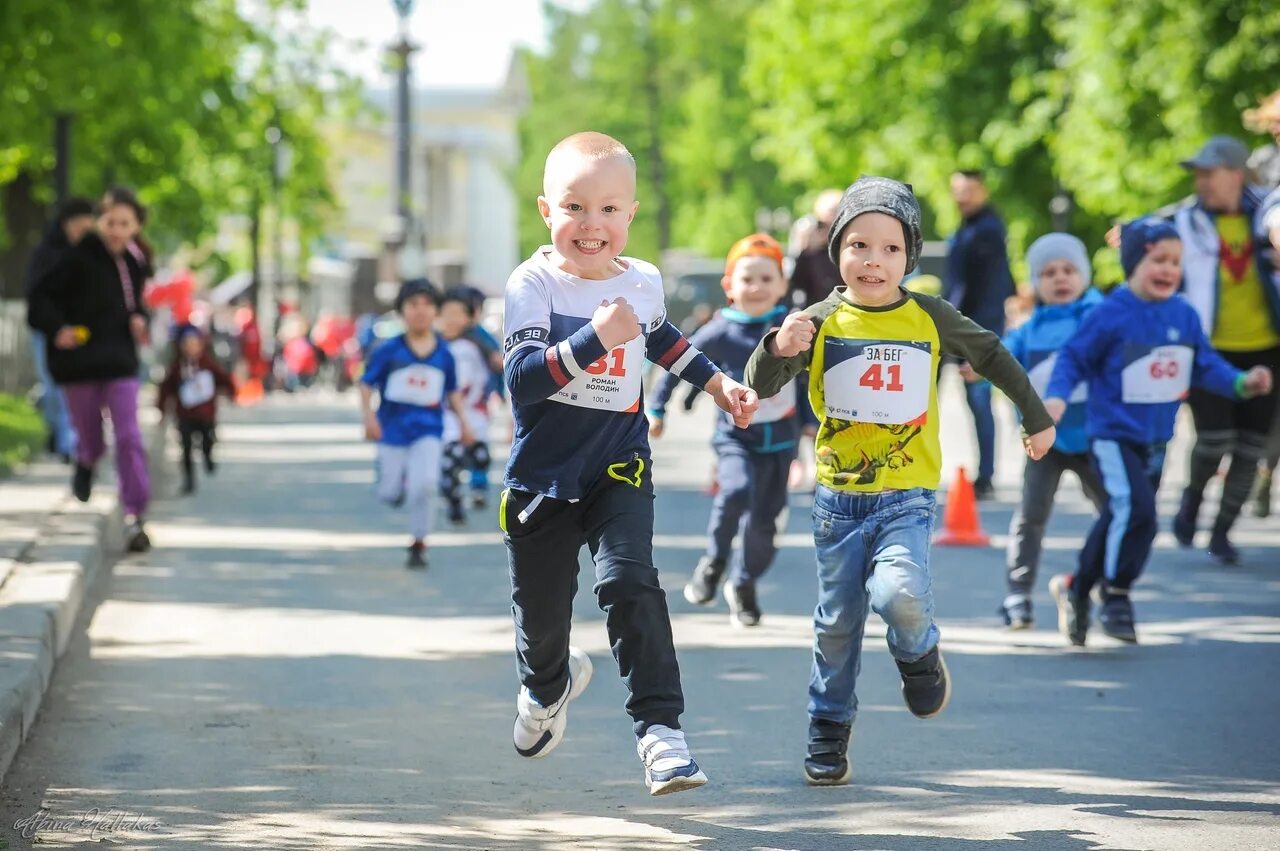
(1228, 275)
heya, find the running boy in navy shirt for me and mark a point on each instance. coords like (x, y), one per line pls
(1141, 352)
(580, 323)
(414, 376)
(752, 464)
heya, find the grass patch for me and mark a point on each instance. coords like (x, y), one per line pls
(22, 433)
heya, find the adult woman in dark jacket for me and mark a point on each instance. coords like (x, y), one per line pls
(90, 308)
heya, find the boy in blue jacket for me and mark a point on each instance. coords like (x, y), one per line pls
(752, 464)
(1140, 355)
(1059, 268)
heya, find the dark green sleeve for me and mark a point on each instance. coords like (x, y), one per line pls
(767, 373)
(963, 337)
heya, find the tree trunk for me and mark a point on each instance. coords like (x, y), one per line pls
(24, 220)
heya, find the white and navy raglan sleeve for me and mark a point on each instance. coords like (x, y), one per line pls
(669, 349)
(534, 368)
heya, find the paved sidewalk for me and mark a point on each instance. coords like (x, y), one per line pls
(272, 677)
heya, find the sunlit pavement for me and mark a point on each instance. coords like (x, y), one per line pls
(272, 677)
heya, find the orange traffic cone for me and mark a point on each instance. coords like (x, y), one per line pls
(961, 526)
(249, 392)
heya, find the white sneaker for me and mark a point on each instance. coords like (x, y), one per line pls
(667, 765)
(540, 728)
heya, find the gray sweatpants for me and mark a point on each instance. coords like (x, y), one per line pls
(411, 474)
(1039, 487)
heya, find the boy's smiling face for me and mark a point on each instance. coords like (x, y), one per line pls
(873, 258)
(588, 204)
(756, 285)
(1159, 274)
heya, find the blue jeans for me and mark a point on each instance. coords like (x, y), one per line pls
(978, 395)
(53, 404)
(873, 553)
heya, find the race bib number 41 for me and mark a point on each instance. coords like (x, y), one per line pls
(1156, 374)
(877, 381)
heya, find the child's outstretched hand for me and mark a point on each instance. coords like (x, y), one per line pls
(656, 428)
(795, 336)
(1040, 443)
(372, 428)
(1257, 381)
(738, 401)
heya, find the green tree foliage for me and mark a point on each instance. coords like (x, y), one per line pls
(765, 103)
(171, 98)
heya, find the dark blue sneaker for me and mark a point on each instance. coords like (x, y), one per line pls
(1116, 618)
(827, 763)
(926, 685)
(668, 767)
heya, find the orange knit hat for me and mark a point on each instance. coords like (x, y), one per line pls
(756, 245)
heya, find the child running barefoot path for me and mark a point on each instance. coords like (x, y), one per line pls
(752, 464)
(414, 376)
(872, 350)
(580, 322)
(1141, 352)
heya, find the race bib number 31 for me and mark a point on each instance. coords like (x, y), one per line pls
(1156, 374)
(611, 383)
(877, 381)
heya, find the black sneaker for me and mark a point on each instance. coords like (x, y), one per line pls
(926, 686)
(1073, 611)
(82, 482)
(417, 556)
(1184, 522)
(209, 466)
(1016, 610)
(701, 588)
(983, 489)
(827, 763)
(456, 515)
(136, 538)
(1116, 618)
(188, 486)
(479, 499)
(1223, 550)
(743, 608)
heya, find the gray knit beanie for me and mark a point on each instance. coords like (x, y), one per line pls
(1058, 246)
(879, 195)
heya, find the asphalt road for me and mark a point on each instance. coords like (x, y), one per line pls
(270, 676)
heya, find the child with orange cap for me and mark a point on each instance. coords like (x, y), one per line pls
(752, 463)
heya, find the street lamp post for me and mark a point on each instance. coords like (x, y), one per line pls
(402, 50)
(269, 295)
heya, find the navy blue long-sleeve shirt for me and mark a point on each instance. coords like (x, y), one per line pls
(728, 340)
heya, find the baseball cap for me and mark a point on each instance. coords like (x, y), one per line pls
(1220, 152)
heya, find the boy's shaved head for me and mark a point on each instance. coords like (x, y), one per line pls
(589, 146)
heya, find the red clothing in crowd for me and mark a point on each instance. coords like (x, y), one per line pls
(193, 386)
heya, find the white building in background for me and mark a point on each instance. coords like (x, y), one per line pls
(464, 156)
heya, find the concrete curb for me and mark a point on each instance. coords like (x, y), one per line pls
(43, 594)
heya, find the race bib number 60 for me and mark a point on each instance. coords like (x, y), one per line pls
(1156, 374)
(877, 381)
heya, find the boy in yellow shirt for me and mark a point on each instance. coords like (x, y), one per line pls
(872, 351)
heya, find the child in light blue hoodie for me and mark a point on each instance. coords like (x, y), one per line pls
(1059, 268)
